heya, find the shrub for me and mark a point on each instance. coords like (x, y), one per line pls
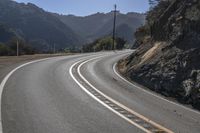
(4, 50)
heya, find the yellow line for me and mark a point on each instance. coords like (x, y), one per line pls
(114, 101)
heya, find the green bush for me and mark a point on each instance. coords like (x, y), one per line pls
(104, 44)
(4, 50)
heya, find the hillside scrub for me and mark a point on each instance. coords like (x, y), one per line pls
(171, 36)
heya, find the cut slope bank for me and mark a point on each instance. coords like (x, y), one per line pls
(168, 51)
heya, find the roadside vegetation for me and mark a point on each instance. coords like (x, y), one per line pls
(10, 48)
(104, 44)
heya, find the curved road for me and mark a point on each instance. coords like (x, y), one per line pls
(84, 94)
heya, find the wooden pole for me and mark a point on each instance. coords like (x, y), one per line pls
(17, 48)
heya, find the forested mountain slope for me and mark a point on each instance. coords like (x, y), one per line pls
(101, 24)
(37, 26)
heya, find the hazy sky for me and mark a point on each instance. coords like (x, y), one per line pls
(86, 7)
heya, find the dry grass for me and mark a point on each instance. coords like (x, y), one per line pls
(151, 52)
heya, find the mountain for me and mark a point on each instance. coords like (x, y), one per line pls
(168, 53)
(39, 27)
(6, 33)
(99, 25)
(43, 29)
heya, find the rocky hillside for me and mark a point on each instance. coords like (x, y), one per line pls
(168, 51)
(99, 25)
(37, 26)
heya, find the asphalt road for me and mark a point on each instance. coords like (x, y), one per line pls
(44, 97)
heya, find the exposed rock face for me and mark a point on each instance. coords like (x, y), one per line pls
(167, 59)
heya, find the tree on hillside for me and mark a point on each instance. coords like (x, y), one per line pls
(120, 43)
(153, 3)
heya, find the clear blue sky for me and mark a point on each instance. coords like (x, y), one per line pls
(87, 7)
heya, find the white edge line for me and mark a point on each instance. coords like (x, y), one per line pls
(5, 79)
(2, 85)
(119, 104)
(115, 71)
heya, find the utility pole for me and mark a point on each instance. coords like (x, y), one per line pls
(17, 48)
(114, 25)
